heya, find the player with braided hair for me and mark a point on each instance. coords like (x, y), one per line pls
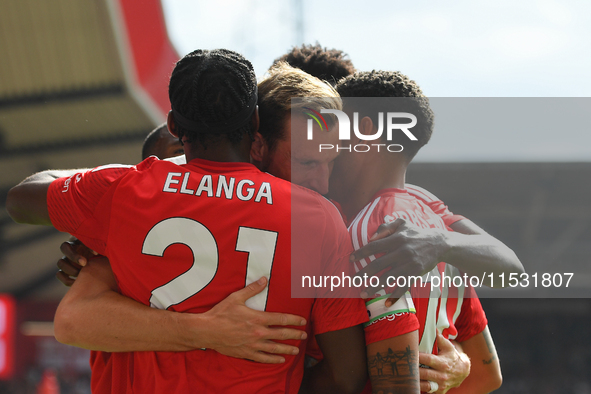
(183, 237)
(223, 85)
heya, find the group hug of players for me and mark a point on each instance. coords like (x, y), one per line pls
(187, 262)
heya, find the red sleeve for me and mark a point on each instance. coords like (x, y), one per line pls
(434, 203)
(79, 204)
(388, 322)
(362, 228)
(340, 209)
(472, 319)
(337, 313)
(391, 326)
(332, 314)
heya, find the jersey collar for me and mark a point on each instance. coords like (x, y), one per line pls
(222, 166)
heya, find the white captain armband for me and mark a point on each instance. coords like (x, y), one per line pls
(377, 309)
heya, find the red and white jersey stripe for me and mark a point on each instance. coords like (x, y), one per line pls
(434, 203)
(437, 307)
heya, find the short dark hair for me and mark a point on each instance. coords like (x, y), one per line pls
(152, 139)
(392, 84)
(327, 64)
(210, 87)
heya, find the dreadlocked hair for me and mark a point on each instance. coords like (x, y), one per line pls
(327, 64)
(211, 87)
(391, 84)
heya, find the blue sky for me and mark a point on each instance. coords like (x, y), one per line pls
(500, 48)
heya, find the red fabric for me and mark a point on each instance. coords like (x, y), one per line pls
(391, 326)
(388, 205)
(48, 383)
(151, 224)
(472, 319)
(434, 203)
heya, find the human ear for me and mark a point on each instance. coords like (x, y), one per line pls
(259, 148)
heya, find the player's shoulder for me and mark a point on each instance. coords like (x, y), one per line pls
(384, 199)
(106, 174)
(179, 160)
(115, 173)
(303, 197)
(153, 161)
(420, 193)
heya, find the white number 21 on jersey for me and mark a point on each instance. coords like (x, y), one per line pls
(259, 244)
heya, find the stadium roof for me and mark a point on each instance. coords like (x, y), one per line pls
(81, 84)
(80, 71)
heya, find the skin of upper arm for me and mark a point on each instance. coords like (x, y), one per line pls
(27, 202)
(94, 279)
(511, 261)
(485, 372)
(394, 364)
(344, 366)
(466, 226)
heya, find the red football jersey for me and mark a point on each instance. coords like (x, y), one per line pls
(434, 203)
(435, 309)
(183, 238)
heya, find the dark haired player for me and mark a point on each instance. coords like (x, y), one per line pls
(184, 237)
(333, 65)
(330, 65)
(417, 251)
(160, 143)
(230, 327)
(453, 311)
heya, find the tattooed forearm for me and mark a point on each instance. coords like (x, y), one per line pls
(490, 345)
(394, 371)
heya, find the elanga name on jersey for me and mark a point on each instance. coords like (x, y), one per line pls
(217, 186)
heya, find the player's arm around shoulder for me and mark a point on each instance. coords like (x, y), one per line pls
(70, 321)
(59, 191)
(481, 252)
(93, 315)
(27, 201)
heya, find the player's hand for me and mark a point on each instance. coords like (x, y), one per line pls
(448, 369)
(409, 251)
(76, 256)
(241, 332)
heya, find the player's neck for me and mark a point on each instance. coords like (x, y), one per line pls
(220, 152)
(392, 172)
(384, 176)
